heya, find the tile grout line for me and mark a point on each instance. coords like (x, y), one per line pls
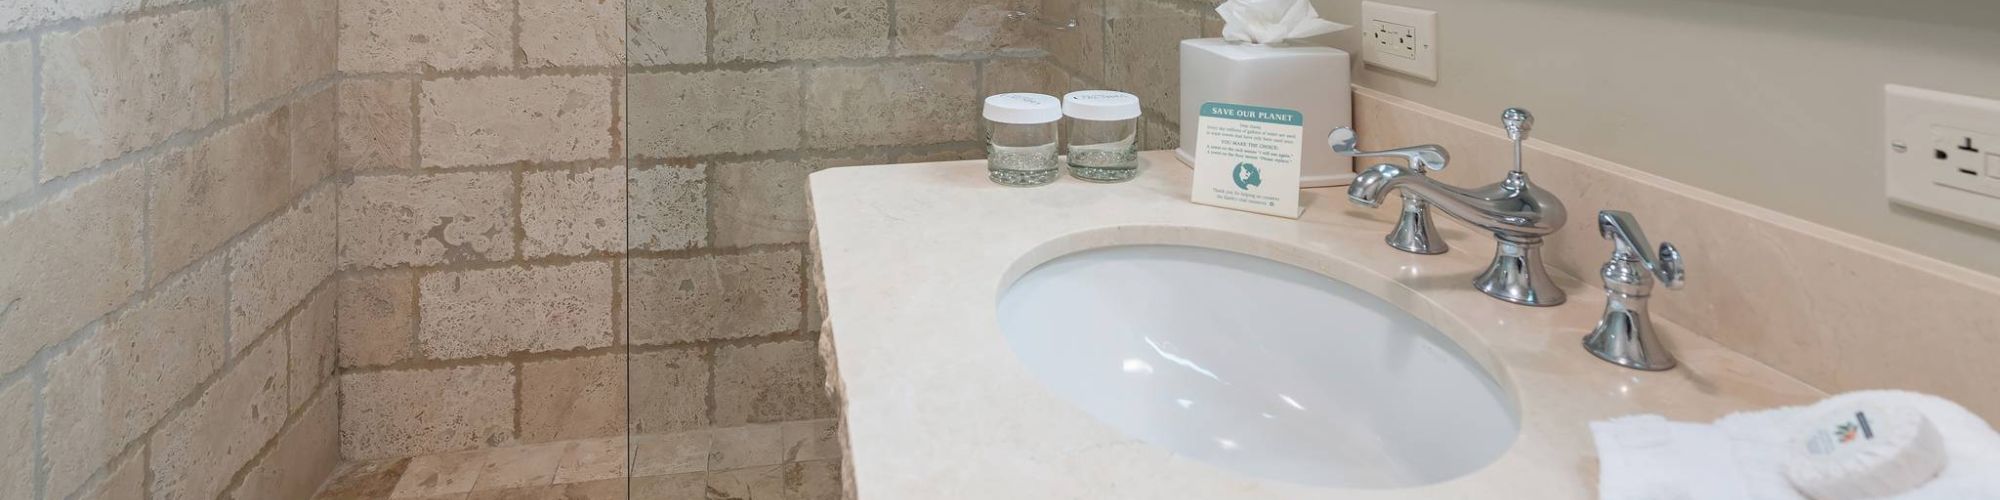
(523, 166)
(416, 343)
(416, 155)
(228, 57)
(892, 8)
(519, 54)
(37, 381)
(420, 365)
(146, 476)
(37, 111)
(620, 318)
(784, 458)
(710, 187)
(708, 34)
(518, 233)
(433, 73)
(807, 62)
(708, 354)
(565, 260)
(148, 251)
(516, 364)
(804, 76)
(863, 154)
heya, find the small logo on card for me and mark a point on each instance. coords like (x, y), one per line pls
(1246, 175)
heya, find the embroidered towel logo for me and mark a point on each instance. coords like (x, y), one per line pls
(1246, 175)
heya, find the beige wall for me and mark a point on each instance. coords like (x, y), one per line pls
(166, 249)
(1775, 102)
(1797, 296)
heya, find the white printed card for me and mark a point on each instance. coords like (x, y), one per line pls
(1247, 158)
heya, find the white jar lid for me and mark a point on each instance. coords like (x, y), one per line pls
(1101, 105)
(1022, 108)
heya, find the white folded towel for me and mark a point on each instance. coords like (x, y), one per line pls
(1742, 456)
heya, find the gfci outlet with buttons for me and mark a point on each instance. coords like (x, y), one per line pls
(1399, 39)
(1944, 153)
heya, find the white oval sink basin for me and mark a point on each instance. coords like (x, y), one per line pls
(1256, 366)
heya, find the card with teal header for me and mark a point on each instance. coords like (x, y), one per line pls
(1247, 158)
(1253, 113)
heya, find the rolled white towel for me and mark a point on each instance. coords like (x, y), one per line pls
(1687, 460)
(1647, 457)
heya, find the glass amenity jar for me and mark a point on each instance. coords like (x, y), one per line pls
(1103, 135)
(1021, 139)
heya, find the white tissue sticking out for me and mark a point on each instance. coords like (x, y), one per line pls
(1272, 21)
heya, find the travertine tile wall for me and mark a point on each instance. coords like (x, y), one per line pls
(724, 129)
(482, 224)
(492, 148)
(167, 221)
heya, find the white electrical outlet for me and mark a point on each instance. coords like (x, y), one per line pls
(1944, 153)
(1400, 39)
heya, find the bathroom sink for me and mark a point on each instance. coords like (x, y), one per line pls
(1256, 366)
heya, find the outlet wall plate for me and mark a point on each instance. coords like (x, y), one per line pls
(1943, 153)
(1400, 39)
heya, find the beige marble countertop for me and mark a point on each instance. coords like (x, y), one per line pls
(936, 405)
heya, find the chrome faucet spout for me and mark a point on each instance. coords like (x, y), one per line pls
(1414, 233)
(1515, 210)
(1372, 184)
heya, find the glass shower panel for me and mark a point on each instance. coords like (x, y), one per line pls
(729, 105)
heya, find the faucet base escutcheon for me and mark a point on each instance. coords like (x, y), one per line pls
(1415, 233)
(1625, 337)
(1517, 275)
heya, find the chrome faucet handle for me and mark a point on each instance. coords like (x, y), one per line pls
(1415, 231)
(1625, 335)
(1518, 122)
(1426, 157)
(1517, 212)
(1629, 244)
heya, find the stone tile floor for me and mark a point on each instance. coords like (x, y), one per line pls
(782, 461)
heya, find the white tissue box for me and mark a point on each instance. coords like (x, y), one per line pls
(1309, 79)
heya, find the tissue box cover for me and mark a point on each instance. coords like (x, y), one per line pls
(1309, 79)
